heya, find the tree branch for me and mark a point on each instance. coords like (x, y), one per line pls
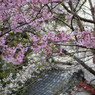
(83, 19)
(79, 61)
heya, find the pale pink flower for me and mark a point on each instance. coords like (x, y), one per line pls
(59, 51)
(39, 27)
(36, 48)
(67, 0)
(19, 45)
(2, 41)
(34, 1)
(68, 17)
(44, 44)
(47, 50)
(44, 1)
(44, 37)
(51, 34)
(35, 38)
(75, 33)
(55, 0)
(17, 61)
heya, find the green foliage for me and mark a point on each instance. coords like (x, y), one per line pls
(1, 68)
(40, 66)
(15, 38)
(93, 51)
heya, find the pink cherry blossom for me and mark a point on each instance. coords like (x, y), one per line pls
(67, 0)
(35, 38)
(44, 1)
(44, 37)
(36, 48)
(59, 51)
(51, 34)
(55, 0)
(2, 41)
(18, 60)
(39, 27)
(75, 33)
(34, 1)
(44, 44)
(8, 53)
(19, 46)
(57, 39)
(68, 17)
(47, 50)
(86, 39)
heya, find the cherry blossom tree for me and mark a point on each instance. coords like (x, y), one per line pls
(22, 30)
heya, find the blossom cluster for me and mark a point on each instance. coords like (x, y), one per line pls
(85, 39)
(47, 40)
(21, 17)
(15, 13)
(44, 42)
(9, 54)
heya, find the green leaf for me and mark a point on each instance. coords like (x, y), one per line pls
(40, 66)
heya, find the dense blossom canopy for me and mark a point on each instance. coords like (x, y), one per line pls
(18, 18)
